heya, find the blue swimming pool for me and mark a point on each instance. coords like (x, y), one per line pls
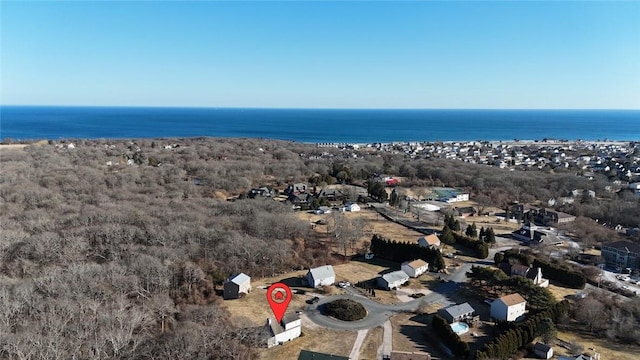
(459, 328)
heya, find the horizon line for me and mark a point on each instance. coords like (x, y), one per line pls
(313, 108)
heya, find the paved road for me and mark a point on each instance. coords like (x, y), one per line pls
(378, 314)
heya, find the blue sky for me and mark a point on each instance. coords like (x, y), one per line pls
(317, 54)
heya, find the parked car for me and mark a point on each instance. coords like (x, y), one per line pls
(344, 284)
(369, 256)
(313, 300)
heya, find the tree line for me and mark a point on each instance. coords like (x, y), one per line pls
(403, 251)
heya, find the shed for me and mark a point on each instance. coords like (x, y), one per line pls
(235, 285)
(543, 351)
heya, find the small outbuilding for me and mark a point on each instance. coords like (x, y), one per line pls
(415, 268)
(236, 285)
(321, 276)
(543, 351)
(393, 280)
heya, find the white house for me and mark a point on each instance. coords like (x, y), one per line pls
(543, 351)
(321, 276)
(350, 207)
(289, 329)
(508, 308)
(432, 241)
(415, 268)
(393, 280)
(235, 285)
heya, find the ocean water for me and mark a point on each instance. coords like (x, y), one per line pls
(316, 125)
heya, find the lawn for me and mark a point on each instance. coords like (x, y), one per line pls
(314, 340)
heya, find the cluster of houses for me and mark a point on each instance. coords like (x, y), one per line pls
(619, 159)
(510, 308)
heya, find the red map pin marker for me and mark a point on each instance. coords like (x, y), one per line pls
(279, 297)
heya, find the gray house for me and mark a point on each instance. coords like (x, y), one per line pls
(321, 276)
(393, 280)
(457, 312)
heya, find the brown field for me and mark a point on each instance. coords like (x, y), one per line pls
(607, 349)
(409, 332)
(314, 340)
(561, 293)
(369, 349)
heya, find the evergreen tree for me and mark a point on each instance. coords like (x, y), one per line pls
(482, 233)
(490, 237)
(447, 236)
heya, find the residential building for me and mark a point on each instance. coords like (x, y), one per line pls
(534, 274)
(455, 313)
(508, 308)
(393, 280)
(321, 276)
(621, 254)
(236, 285)
(432, 241)
(415, 268)
(288, 329)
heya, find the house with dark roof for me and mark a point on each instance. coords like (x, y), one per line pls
(458, 312)
(543, 351)
(621, 254)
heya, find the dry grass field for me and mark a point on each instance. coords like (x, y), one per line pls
(313, 340)
(369, 349)
(409, 332)
(608, 350)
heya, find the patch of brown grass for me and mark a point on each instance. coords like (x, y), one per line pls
(369, 349)
(606, 348)
(313, 340)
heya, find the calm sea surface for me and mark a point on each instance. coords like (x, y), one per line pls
(311, 125)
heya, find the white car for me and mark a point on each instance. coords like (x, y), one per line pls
(344, 284)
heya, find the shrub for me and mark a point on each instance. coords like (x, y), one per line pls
(346, 310)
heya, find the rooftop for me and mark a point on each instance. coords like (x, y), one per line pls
(395, 276)
(624, 245)
(512, 299)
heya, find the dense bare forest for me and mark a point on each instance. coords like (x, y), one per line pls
(113, 248)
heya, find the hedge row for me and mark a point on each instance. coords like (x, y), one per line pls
(507, 343)
(480, 248)
(449, 337)
(561, 274)
(403, 251)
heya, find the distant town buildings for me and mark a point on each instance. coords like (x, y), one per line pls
(621, 254)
